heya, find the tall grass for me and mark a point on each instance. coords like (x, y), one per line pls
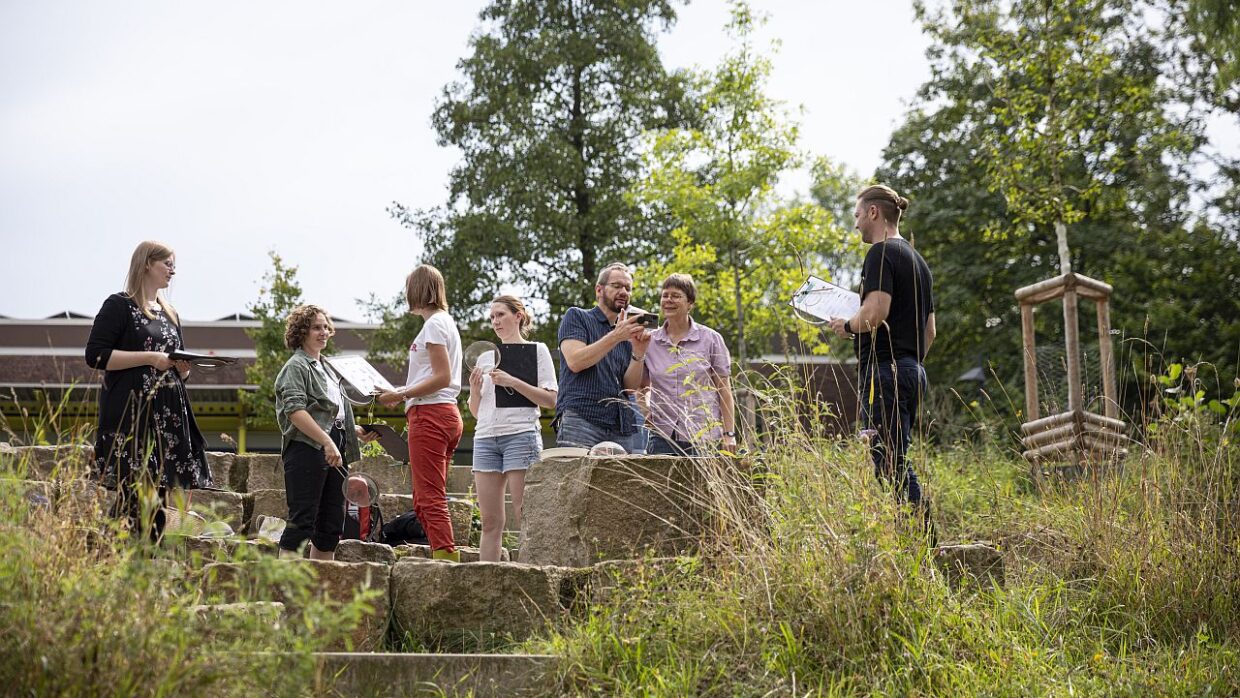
(815, 582)
(88, 609)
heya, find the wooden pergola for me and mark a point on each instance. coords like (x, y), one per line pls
(1077, 436)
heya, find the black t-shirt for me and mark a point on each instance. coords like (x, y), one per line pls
(895, 268)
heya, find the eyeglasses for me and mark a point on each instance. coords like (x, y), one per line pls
(616, 286)
(168, 263)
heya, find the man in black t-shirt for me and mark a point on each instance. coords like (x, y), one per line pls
(892, 332)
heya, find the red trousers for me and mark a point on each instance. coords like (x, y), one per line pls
(434, 432)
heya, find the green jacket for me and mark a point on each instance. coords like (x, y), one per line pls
(300, 386)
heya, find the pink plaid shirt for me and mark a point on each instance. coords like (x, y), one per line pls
(684, 402)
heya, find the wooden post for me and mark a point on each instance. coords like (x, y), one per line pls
(241, 429)
(1031, 363)
(1072, 345)
(1106, 357)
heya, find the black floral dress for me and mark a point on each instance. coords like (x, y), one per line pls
(146, 427)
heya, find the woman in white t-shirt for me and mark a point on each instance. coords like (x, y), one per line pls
(507, 440)
(429, 395)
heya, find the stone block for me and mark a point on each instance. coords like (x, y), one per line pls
(211, 550)
(439, 602)
(61, 462)
(214, 505)
(361, 551)
(391, 477)
(211, 616)
(423, 552)
(460, 479)
(395, 675)
(83, 499)
(37, 493)
(581, 510)
(262, 471)
(412, 552)
(393, 505)
(462, 513)
(225, 471)
(970, 564)
(335, 581)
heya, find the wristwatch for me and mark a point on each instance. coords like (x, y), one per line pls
(731, 434)
(848, 328)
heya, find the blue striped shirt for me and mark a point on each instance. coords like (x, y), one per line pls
(597, 393)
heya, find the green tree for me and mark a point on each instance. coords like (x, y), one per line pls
(747, 250)
(552, 102)
(278, 296)
(1214, 26)
(1133, 228)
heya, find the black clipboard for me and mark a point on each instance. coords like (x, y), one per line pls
(518, 361)
(395, 444)
(202, 360)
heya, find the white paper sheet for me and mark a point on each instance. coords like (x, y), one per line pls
(358, 372)
(824, 300)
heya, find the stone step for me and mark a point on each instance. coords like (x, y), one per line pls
(335, 581)
(361, 551)
(480, 675)
(427, 602)
(451, 605)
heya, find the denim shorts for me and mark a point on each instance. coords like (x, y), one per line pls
(502, 454)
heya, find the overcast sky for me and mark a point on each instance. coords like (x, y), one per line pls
(227, 129)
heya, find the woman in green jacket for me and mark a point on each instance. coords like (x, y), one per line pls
(319, 437)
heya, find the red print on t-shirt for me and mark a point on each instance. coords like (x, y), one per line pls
(413, 347)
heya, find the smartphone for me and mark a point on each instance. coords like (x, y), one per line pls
(648, 320)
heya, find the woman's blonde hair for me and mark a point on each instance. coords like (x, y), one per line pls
(425, 288)
(299, 322)
(890, 204)
(145, 254)
(516, 307)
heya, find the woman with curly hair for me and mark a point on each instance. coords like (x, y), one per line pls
(319, 437)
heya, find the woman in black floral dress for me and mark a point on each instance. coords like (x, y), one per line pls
(147, 433)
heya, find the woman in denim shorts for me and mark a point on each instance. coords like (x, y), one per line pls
(507, 440)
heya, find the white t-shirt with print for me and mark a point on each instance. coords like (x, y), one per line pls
(505, 421)
(438, 329)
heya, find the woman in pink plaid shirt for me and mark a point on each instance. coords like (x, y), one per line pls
(687, 368)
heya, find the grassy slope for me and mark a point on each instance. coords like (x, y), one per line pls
(1120, 584)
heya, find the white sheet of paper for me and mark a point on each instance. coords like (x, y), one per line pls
(355, 369)
(824, 300)
(486, 361)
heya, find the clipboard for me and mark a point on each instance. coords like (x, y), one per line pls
(355, 370)
(518, 361)
(202, 360)
(395, 444)
(823, 300)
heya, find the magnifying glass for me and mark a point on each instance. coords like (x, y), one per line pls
(360, 489)
(483, 355)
